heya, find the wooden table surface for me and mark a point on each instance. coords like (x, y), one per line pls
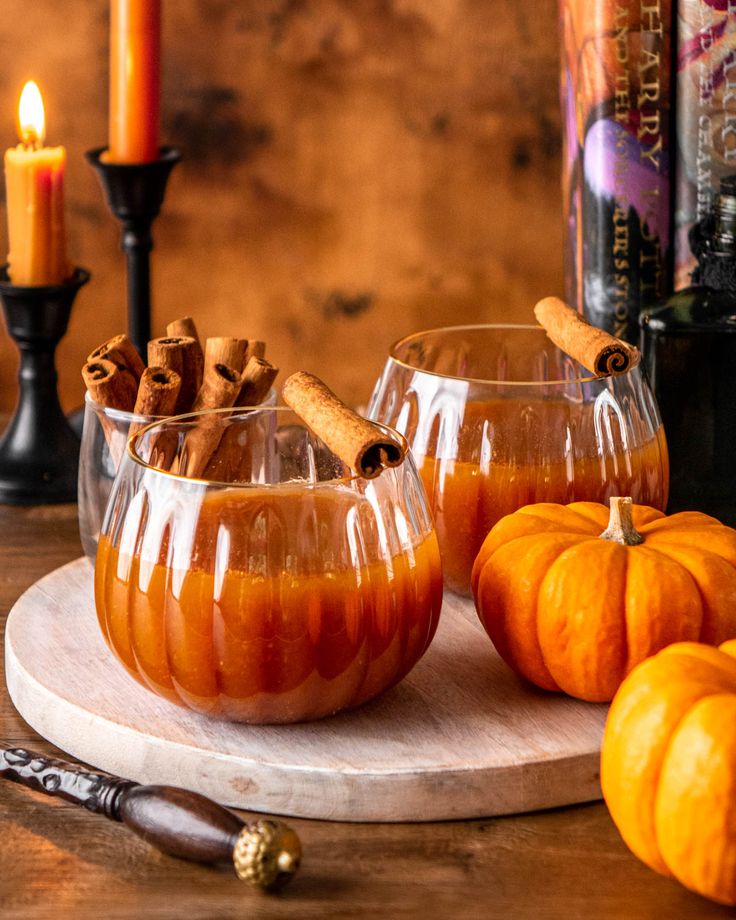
(59, 861)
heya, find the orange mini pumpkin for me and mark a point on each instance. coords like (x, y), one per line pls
(573, 598)
(668, 765)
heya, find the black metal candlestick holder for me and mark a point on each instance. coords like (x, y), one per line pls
(39, 452)
(135, 193)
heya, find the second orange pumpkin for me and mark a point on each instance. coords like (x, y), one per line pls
(572, 606)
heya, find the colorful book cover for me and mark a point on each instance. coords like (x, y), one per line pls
(705, 118)
(615, 87)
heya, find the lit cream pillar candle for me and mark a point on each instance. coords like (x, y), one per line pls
(34, 181)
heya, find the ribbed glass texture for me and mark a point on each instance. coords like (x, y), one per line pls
(104, 436)
(497, 418)
(287, 590)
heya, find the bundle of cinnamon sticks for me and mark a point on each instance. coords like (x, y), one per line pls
(181, 377)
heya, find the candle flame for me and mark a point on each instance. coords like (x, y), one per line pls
(31, 116)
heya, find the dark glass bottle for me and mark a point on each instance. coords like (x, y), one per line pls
(689, 348)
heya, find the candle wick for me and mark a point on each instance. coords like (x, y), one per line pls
(30, 140)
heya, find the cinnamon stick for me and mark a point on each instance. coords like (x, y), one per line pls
(182, 354)
(256, 382)
(121, 351)
(110, 385)
(361, 444)
(225, 349)
(114, 388)
(219, 390)
(158, 392)
(598, 351)
(183, 327)
(254, 349)
(157, 395)
(229, 463)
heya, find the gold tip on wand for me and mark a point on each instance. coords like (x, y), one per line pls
(265, 855)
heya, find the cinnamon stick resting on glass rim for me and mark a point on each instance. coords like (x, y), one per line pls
(363, 445)
(597, 350)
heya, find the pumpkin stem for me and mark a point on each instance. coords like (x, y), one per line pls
(621, 524)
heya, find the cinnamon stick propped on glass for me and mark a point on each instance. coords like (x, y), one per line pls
(598, 351)
(366, 447)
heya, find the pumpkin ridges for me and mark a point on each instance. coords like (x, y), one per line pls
(663, 604)
(571, 608)
(571, 516)
(695, 804)
(685, 520)
(719, 540)
(598, 514)
(644, 516)
(517, 525)
(590, 515)
(629, 762)
(690, 560)
(715, 579)
(711, 658)
(510, 614)
(639, 725)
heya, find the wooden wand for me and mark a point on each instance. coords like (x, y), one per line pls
(265, 854)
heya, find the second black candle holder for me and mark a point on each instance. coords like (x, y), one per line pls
(135, 193)
(39, 451)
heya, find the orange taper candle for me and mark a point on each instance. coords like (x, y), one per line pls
(135, 80)
(34, 181)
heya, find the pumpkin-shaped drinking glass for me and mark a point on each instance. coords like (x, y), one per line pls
(104, 435)
(498, 417)
(286, 590)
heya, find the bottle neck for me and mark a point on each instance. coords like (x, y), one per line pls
(724, 235)
(714, 242)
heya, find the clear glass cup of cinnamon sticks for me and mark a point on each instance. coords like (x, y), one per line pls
(246, 572)
(123, 395)
(499, 417)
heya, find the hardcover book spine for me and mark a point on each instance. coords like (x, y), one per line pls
(706, 117)
(615, 86)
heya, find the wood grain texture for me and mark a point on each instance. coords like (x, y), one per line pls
(353, 170)
(57, 861)
(460, 737)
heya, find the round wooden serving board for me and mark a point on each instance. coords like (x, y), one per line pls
(460, 737)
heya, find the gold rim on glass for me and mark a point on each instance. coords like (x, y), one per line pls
(120, 415)
(407, 339)
(249, 411)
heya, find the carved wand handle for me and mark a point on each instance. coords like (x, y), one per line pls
(265, 854)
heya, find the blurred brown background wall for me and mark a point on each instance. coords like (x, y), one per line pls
(355, 170)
